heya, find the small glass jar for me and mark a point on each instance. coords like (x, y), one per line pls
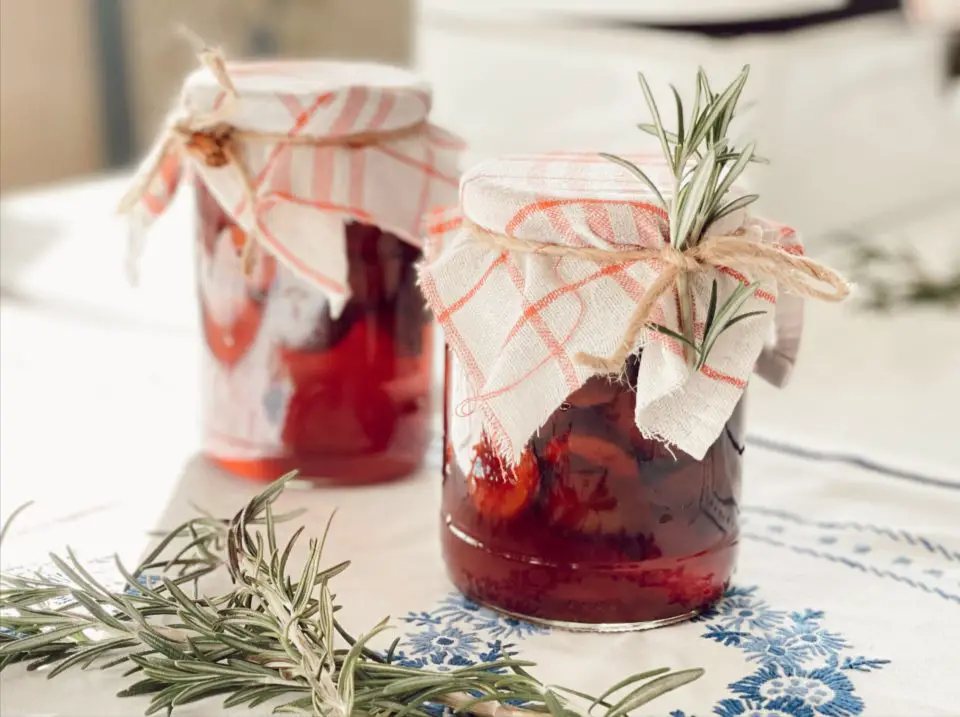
(312, 181)
(596, 527)
(288, 387)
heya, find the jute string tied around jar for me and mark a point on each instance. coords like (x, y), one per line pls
(741, 250)
(210, 138)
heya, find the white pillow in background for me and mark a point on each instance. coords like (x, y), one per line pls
(854, 115)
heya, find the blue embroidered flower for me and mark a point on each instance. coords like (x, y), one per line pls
(460, 633)
(423, 619)
(456, 609)
(506, 627)
(862, 664)
(803, 671)
(742, 609)
(769, 649)
(449, 643)
(780, 707)
(727, 638)
(809, 639)
(496, 650)
(825, 690)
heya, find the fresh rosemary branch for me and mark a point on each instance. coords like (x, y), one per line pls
(704, 164)
(272, 638)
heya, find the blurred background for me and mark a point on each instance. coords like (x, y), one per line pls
(855, 102)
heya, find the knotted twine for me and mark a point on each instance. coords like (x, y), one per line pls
(213, 140)
(741, 250)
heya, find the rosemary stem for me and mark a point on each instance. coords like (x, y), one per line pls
(686, 317)
(457, 700)
(683, 284)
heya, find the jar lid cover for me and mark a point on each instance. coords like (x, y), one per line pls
(572, 198)
(293, 150)
(326, 98)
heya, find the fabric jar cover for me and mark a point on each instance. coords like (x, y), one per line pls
(305, 191)
(516, 320)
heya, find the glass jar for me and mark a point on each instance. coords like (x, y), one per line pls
(595, 384)
(312, 181)
(288, 387)
(596, 527)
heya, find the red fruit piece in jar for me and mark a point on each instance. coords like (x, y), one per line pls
(318, 420)
(334, 412)
(354, 356)
(588, 452)
(498, 490)
(598, 391)
(315, 422)
(578, 499)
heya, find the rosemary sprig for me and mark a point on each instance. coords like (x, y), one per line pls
(704, 164)
(272, 638)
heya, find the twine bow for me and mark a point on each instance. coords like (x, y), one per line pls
(742, 249)
(213, 140)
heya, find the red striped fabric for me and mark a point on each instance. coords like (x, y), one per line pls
(516, 322)
(304, 193)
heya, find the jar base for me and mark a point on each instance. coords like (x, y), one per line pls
(604, 596)
(609, 628)
(326, 470)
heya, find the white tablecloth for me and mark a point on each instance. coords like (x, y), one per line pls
(846, 601)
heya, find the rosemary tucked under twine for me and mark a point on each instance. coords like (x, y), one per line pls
(705, 164)
(273, 638)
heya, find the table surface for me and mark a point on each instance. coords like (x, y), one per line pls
(848, 591)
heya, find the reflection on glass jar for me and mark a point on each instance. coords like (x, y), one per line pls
(286, 386)
(596, 526)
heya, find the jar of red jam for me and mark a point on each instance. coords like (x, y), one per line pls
(289, 387)
(595, 524)
(574, 495)
(311, 182)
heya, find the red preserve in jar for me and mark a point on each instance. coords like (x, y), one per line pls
(311, 181)
(576, 493)
(595, 524)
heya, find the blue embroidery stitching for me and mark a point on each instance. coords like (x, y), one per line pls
(800, 550)
(801, 668)
(461, 633)
(894, 535)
